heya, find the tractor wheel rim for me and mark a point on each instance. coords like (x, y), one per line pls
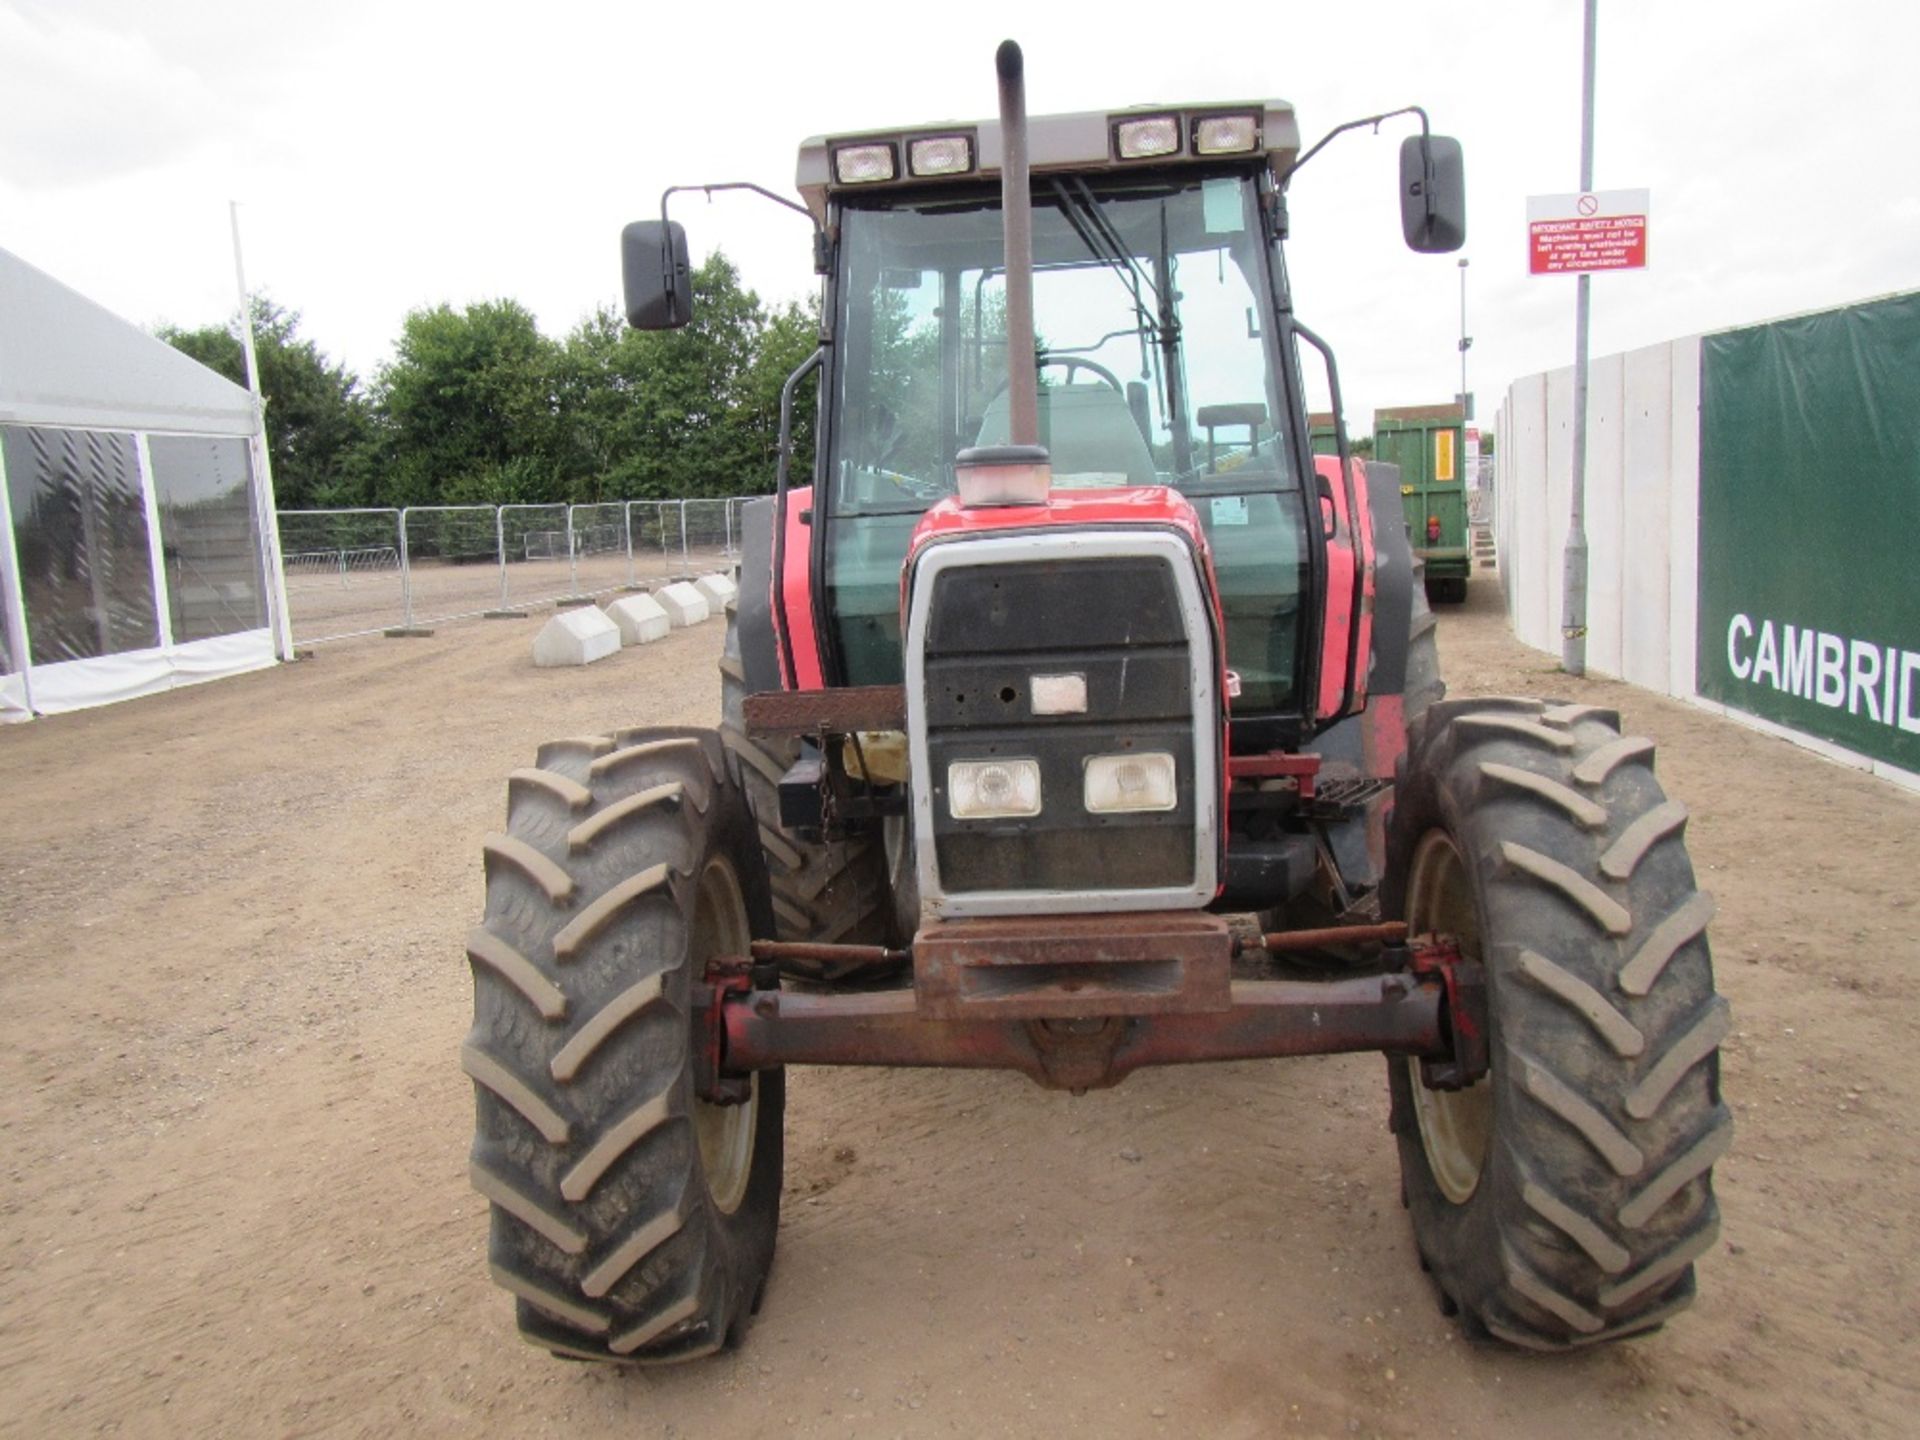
(1456, 1126)
(725, 1132)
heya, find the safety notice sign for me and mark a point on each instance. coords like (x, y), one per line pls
(1599, 230)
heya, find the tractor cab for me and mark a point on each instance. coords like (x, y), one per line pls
(1157, 287)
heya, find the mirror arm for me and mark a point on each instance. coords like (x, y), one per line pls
(709, 191)
(1374, 120)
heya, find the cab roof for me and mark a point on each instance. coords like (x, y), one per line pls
(1085, 141)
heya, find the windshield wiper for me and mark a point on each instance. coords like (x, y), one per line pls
(1098, 235)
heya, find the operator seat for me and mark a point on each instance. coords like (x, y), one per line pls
(1089, 432)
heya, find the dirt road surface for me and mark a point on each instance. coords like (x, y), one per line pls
(235, 1130)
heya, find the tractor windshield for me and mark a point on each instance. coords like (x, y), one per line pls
(1151, 307)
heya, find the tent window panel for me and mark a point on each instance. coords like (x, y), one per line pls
(8, 665)
(209, 535)
(80, 531)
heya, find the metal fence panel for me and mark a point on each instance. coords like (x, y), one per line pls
(734, 531)
(599, 548)
(655, 527)
(534, 541)
(363, 571)
(453, 561)
(705, 537)
(344, 572)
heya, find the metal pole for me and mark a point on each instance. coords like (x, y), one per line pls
(1573, 602)
(500, 548)
(573, 561)
(13, 600)
(1016, 209)
(1465, 408)
(686, 565)
(626, 521)
(266, 512)
(406, 575)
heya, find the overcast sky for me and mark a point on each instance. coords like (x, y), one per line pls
(390, 155)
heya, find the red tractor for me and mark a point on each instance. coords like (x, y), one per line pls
(1076, 717)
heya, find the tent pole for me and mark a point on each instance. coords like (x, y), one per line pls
(156, 550)
(266, 511)
(15, 597)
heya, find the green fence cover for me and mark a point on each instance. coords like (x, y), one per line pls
(1810, 525)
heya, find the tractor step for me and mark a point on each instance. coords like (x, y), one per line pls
(1346, 797)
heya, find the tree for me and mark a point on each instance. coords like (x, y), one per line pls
(790, 336)
(319, 425)
(478, 407)
(469, 410)
(687, 412)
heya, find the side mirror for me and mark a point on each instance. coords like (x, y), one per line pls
(1433, 194)
(658, 282)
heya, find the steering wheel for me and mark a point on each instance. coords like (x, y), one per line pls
(1069, 363)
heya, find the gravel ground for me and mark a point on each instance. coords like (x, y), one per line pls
(235, 1128)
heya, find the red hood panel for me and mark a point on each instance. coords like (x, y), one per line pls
(1128, 505)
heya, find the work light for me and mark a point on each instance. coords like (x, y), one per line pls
(1225, 134)
(940, 155)
(863, 164)
(1144, 139)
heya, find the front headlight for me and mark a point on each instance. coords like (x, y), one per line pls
(993, 789)
(1117, 784)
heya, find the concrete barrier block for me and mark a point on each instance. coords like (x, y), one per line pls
(641, 619)
(718, 589)
(575, 637)
(684, 604)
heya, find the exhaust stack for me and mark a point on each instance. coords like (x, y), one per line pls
(1017, 473)
(1016, 211)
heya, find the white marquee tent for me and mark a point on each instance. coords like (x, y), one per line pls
(137, 540)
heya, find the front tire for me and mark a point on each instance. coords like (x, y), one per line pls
(1562, 1200)
(631, 1220)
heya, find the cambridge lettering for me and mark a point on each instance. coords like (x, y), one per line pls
(1858, 676)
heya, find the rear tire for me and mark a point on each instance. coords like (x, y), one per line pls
(828, 893)
(631, 1220)
(1562, 1200)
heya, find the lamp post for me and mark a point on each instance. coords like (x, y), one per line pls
(1466, 342)
(1573, 595)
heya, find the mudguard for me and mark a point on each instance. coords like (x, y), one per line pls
(1358, 843)
(759, 655)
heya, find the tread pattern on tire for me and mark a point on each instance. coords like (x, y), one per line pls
(827, 893)
(602, 1227)
(1597, 1197)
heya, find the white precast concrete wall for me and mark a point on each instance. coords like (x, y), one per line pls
(1643, 525)
(1643, 495)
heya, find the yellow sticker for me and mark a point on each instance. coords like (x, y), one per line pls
(1406, 489)
(1443, 454)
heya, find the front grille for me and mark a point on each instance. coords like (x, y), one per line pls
(1122, 623)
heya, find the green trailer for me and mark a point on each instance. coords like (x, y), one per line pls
(1428, 443)
(1320, 427)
